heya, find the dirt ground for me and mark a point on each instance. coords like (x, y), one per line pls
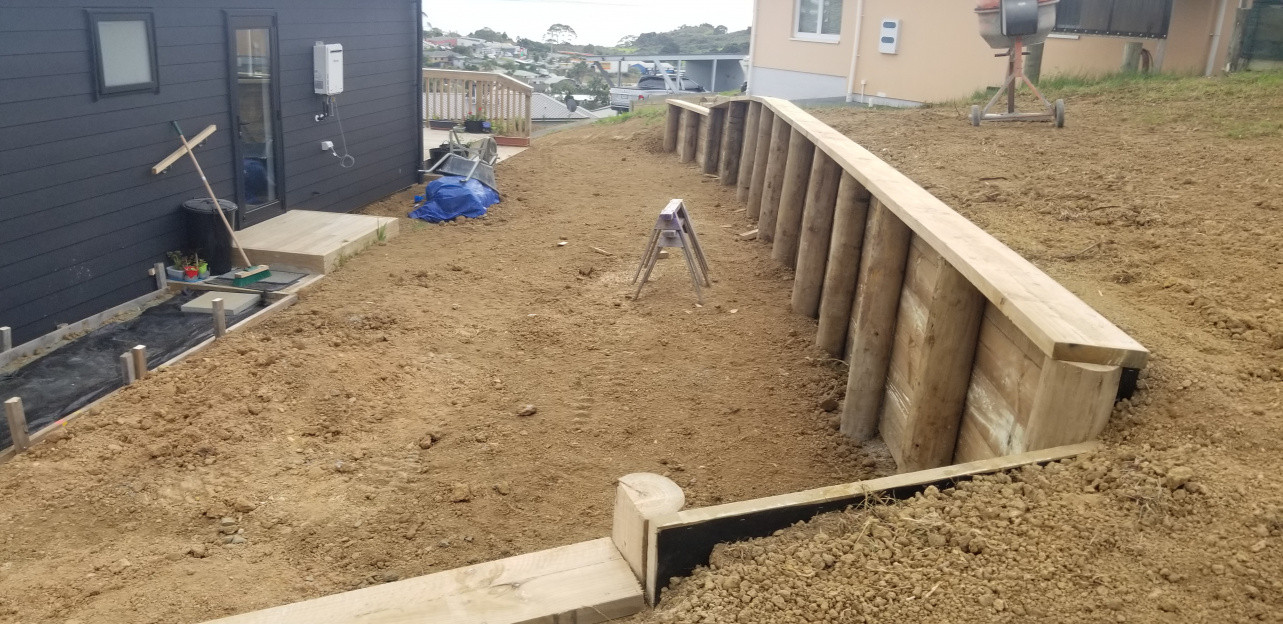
(373, 431)
(1159, 204)
(1160, 207)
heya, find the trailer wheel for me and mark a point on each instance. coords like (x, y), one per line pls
(975, 115)
(1060, 113)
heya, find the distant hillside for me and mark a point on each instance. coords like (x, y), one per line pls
(701, 39)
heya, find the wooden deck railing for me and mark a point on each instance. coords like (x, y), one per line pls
(959, 348)
(454, 95)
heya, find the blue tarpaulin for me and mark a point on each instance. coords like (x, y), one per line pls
(450, 197)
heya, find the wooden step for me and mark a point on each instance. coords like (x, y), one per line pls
(584, 583)
(313, 241)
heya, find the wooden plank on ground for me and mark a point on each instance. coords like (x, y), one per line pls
(744, 180)
(931, 360)
(788, 217)
(583, 583)
(1062, 325)
(873, 320)
(684, 540)
(773, 185)
(817, 232)
(761, 158)
(843, 266)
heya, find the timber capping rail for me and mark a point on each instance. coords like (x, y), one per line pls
(960, 349)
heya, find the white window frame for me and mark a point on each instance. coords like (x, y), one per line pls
(819, 24)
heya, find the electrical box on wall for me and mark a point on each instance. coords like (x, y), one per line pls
(889, 41)
(327, 68)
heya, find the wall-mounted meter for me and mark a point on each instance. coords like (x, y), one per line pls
(327, 68)
(889, 40)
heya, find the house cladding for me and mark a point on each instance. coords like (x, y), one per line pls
(82, 218)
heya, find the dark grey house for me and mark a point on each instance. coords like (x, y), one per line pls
(87, 93)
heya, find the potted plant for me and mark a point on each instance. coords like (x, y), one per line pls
(184, 268)
(473, 122)
(174, 270)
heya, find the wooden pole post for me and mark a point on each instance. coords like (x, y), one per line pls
(873, 320)
(1131, 56)
(639, 498)
(220, 318)
(688, 141)
(6, 339)
(744, 179)
(140, 361)
(761, 158)
(711, 135)
(672, 128)
(127, 373)
(849, 217)
(931, 368)
(817, 231)
(17, 424)
(162, 281)
(788, 217)
(773, 185)
(728, 165)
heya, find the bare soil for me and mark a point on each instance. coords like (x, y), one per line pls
(1160, 206)
(374, 431)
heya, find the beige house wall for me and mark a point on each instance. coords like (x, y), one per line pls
(941, 55)
(777, 48)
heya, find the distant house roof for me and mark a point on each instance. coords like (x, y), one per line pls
(521, 73)
(546, 107)
(440, 54)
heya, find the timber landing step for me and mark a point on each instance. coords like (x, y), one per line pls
(584, 583)
(313, 241)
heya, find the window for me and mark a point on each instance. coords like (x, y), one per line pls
(124, 50)
(818, 20)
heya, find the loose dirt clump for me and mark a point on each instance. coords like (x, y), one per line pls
(998, 548)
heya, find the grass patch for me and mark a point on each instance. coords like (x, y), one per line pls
(647, 114)
(1243, 105)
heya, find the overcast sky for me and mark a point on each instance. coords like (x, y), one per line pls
(600, 22)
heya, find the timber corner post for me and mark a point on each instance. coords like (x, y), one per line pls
(640, 498)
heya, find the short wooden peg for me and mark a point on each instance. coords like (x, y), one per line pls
(6, 339)
(140, 361)
(17, 424)
(162, 281)
(127, 367)
(220, 318)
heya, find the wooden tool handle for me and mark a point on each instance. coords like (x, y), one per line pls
(217, 207)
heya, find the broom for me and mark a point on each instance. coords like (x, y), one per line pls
(252, 273)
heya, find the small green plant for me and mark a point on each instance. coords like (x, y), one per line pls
(381, 233)
(179, 260)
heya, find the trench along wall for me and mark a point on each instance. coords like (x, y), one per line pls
(959, 348)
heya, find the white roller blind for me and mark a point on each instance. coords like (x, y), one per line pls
(126, 57)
